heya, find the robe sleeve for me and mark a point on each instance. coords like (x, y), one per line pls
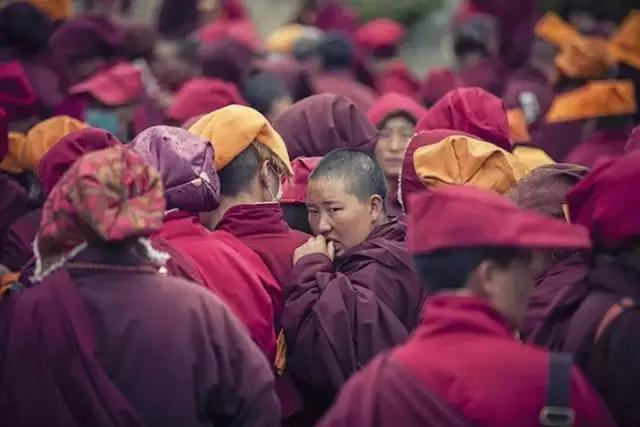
(334, 323)
(386, 394)
(244, 393)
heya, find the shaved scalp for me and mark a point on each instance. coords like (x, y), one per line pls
(361, 175)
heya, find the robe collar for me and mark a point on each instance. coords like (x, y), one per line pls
(252, 219)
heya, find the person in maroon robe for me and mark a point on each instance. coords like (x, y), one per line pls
(395, 116)
(192, 186)
(633, 143)
(595, 314)
(353, 291)
(267, 94)
(463, 361)
(183, 359)
(470, 110)
(14, 202)
(337, 55)
(321, 123)
(294, 194)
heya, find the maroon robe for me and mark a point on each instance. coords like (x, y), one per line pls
(262, 229)
(399, 79)
(528, 88)
(612, 362)
(604, 143)
(128, 348)
(13, 203)
(342, 82)
(17, 246)
(338, 317)
(558, 139)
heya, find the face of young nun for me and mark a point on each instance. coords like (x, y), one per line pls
(339, 215)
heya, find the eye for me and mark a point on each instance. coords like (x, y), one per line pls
(312, 211)
(334, 210)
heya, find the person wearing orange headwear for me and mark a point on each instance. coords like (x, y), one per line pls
(624, 49)
(528, 154)
(17, 247)
(606, 108)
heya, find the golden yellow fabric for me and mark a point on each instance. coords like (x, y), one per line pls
(283, 39)
(43, 136)
(625, 43)
(595, 99)
(233, 128)
(460, 160)
(555, 30)
(11, 162)
(57, 10)
(531, 156)
(518, 131)
(584, 57)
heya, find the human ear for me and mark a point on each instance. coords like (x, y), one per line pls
(376, 207)
(483, 280)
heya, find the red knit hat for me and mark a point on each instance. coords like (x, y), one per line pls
(296, 191)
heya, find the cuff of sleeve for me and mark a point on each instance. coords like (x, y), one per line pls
(309, 265)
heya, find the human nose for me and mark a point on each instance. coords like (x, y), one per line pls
(397, 143)
(324, 224)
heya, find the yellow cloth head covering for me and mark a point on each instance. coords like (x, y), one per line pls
(283, 39)
(11, 162)
(43, 136)
(531, 156)
(625, 43)
(595, 99)
(461, 160)
(57, 10)
(584, 58)
(233, 128)
(555, 30)
(518, 132)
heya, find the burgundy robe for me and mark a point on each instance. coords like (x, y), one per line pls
(612, 363)
(338, 317)
(528, 88)
(17, 246)
(128, 348)
(398, 78)
(262, 228)
(342, 82)
(604, 143)
(230, 270)
(558, 139)
(13, 203)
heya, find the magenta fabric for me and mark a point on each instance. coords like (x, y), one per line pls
(607, 202)
(344, 83)
(17, 96)
(437, 83)
(633, 143)
(468, 341)
(13, 203)
(602, 144)
(201, 96)
(227, 59)
(295, 76)
(295, 191)
(321, 123)
(67, 150)
(4, 134)
(558, 139)
(17, 245)
(335, 16)
(529, 89)
(472, 110)
(394, 103)
(86, 36)
(398, 78)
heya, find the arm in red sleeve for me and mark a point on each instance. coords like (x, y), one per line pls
(334, 323)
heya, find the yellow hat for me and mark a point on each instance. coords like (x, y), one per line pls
(233, 128)
(625, 43)
(43, 136)
(584, 58)
(531, 156)
(595, 99)
(11, 162)
(555, 30)
(57, 10)
(283, 39)
(461, 160)
(518, 132)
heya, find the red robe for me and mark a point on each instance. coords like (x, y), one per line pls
(13, 203)
(338, 317)
(17, 247)
(465, 354)
(529, 89)
(399, 79)
(342, 82)
(604, 143)
(229, 269)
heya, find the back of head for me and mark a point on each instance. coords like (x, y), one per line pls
(359, 172)
(226, 59)
(88, 36)
(24, 28)
(471, 110)
(319, 124)
(200, 96)
(186, 164)
(336, 52)
(262, 89)
(68, 150)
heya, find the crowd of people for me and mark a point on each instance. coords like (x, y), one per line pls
(199, 226)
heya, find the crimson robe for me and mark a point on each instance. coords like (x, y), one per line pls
(558, 139)
(399, 79)
(604, 143)
(338, 317)
(342, 82)
(528, 88)
(128, 348)
(13, 203)
(611, 362)
(465, 354)
(17, 247)
(230, 270)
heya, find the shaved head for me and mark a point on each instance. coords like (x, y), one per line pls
(359, 172)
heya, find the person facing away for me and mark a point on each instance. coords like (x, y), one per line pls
(595, 314)
(125, 345)
(353, 291)
(463, 366)
(191, 187)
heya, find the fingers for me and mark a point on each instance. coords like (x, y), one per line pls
(331, 250)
